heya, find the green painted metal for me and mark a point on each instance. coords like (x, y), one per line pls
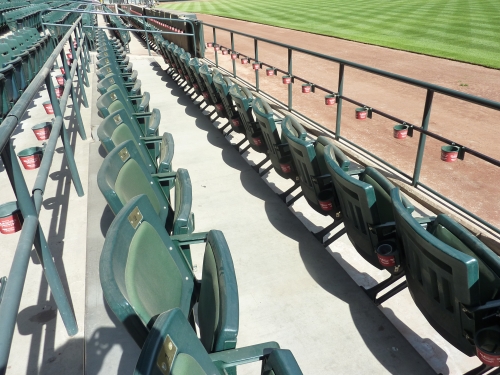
(423, 136)
(423, 129)
(30, 206)
(339, 102)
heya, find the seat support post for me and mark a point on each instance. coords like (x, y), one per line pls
(373, 291)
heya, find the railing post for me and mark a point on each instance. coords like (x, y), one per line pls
(421, 142)
(256, 49)
(339, 101)
(78, 74)
(232, 51)
(216, 54)
(74, 98)
(146, 35)
(290, 87)
(64, 137)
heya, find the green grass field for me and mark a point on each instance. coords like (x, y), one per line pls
(464, 30)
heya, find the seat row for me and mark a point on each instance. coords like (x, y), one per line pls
(22, 54)
(117, 22)
(146, 269)
(9, 6)
(453, 277)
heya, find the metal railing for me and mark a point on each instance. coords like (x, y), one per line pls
(30, 203)
(422, 129)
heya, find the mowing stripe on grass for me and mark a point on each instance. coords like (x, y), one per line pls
(464, 30)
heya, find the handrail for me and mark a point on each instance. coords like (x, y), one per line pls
(422, 129)
(415, 82)
(30, 204)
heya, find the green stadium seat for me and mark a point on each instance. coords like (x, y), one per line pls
(243, 98)
(453, 277)
(222, 86)
(123, 175)
(278, 149)
(132, 88)
(315, 179)
(114, 99)
(173, 348)
(195, 66)
(20, 71)
(157, 152)
(144, 272)
(367, 213)
(215, 98)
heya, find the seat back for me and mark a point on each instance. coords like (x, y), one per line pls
(315, 179)
(174, 347)
(115, 98)
(243, 98)
(195, 65)
(118, 128)
(142, 271)
(123, 176)
(364, 203)
(206, 75)
(279, 152)
(222, 86)
(450, 274)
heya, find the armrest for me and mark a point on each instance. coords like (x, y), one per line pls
(142, 114)
(281, 147)
(135, 96)
(355, 172)
(188, 239)
(322, 177)
(389, 224)
(425, 220)
(150, 140)
(165, 178)
(240, 356)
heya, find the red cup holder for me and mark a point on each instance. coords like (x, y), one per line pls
(269, 72)
(219, 107)
(234, 56)
(449, 154)
(325, 199)
(256, 66)
(361, 113)
(42, 131)
(306, 88)
(487, 341)
(244, 60)
(400, 131)
(257, 139)
(225, 51)
(286, 80)
(60, 80)
(59, 91)
(330, 99)
(11, 219)
(31, 157)
(48, 108)
(386, 255)
(235, 121)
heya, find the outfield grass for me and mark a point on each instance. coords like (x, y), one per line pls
(464, 30)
